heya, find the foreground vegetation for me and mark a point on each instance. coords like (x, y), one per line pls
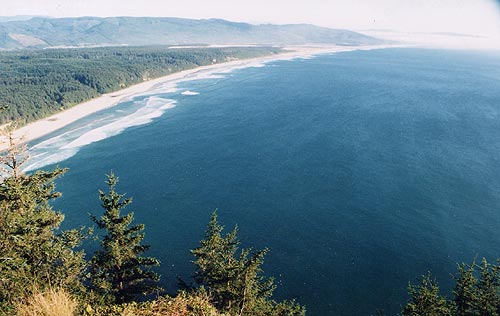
(42, 273)
(37, 83)
(476, 293)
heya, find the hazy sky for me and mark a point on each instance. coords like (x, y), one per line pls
(480, 17)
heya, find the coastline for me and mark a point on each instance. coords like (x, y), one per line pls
(43, 127)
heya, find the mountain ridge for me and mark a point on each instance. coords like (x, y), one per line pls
(43, 32)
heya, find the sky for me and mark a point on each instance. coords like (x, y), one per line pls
(478, 17)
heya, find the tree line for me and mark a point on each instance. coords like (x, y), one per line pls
(476, 293)
(37, 83)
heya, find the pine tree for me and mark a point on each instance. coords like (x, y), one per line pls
(216, 264)
(488, 287)
(118, 270)
(32, 252)
(465, 292)
(425, 300)
(234, 281)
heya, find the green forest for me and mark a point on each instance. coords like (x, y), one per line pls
(37, 83)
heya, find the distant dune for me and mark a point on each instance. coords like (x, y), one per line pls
(42, 32)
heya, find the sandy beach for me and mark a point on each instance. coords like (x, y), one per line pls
(52, 123)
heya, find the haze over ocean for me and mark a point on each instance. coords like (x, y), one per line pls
(359, 170)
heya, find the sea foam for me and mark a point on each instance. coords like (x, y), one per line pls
(188, 92)
(154, 108)
(61, 147)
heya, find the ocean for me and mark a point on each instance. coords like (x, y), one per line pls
(360, 171)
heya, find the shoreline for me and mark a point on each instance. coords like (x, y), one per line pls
(43, 127)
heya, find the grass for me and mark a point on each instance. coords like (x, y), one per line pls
(53, 302)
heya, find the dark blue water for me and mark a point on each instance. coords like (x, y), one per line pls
(360, 171)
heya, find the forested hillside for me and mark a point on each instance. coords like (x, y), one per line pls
(37, 83)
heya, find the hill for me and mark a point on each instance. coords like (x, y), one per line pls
(40, 32)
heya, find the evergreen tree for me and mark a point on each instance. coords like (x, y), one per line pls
(118, 270)
(234, 281)
(425, 300)
(32, 252)
(488, 298)
(465, 291)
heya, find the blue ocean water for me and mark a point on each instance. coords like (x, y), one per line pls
(360, 171)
